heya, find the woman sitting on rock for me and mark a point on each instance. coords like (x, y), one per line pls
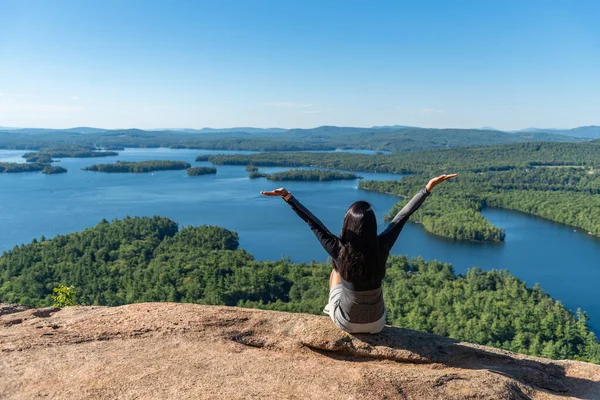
(359, 259)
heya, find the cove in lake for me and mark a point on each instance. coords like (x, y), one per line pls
(565, 263)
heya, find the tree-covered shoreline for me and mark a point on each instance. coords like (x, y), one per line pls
(523, 177)
(152, 259)
(453, 211)
(461, 159)
(139, 166)
(304, 175)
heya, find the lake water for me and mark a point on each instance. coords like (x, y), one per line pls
(564, 261)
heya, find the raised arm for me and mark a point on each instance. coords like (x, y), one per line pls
(329, 241)
(388, 237)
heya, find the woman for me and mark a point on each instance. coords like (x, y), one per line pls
(359, 259)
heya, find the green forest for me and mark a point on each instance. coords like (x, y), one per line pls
(557, 181)
(196, 171)
(305, 175)
(140, 166)
(453, 209)
(462, 159)
(153, 259)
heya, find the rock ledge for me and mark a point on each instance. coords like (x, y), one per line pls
(169, 350)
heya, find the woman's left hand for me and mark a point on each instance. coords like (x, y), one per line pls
(277, 192)
(436, 181)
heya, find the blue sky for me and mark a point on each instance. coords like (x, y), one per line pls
(151, 64)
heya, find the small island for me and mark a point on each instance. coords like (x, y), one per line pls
(195, 171)
(51, 170)
(305, 175)
(38, 157)
(252, 168)
(137, 167)
(7, 167)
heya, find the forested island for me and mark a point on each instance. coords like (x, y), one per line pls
(30, 167)
(151, 259)
(50, 170)
(38, 157)
(140, 166)
(195, 171)
(7, 167)
(304, 175)
(556, 181)
(48, 153)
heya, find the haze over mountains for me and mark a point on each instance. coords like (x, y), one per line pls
(586, 132)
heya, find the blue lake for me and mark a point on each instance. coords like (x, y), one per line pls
(564, 261)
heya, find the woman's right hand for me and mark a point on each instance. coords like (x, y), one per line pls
(436, 181)
(277, 192)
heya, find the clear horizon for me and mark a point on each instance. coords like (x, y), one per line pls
(510, 66)
(279, 127)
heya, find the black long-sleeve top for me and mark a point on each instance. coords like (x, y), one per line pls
(386, 239)
(360, 302)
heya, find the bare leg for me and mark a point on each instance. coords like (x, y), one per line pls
(334, 278)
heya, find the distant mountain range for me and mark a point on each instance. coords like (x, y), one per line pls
(392, 127)
(382, 138)
(227, 130)
(82, 130)
(588, 132)
(583, 132)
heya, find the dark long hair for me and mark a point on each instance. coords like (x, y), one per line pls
(359, 256)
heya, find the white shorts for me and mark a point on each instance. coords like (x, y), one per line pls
(333, 310)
